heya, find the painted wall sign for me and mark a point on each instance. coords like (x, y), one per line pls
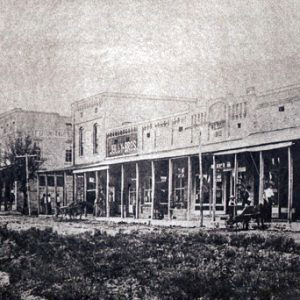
(122, 144)
(40, 133)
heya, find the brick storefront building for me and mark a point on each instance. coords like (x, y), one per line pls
(52, 135)
(142, 155)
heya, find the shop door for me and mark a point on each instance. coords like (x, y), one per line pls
(222, 191)
(132, 200)
(90, 199)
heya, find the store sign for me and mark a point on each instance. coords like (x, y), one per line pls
(121, 143)
(217, 128)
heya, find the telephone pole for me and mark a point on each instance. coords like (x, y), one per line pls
(27, 178)
(194, 126)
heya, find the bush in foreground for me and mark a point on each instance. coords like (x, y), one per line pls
(158, 265)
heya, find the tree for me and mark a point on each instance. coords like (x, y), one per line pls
(17, 148)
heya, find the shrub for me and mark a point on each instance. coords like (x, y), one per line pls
(155, 265)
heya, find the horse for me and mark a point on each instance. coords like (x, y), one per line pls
(74, 209)
(256, 212)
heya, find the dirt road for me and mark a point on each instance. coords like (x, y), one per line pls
(90, 225)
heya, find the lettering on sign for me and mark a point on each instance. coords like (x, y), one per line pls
(41, 133)
(121, 144)
(217, 125)
(218, 133)
(216, 130)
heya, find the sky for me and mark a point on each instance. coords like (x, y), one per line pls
(55, 52)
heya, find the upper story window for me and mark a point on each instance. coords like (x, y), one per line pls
(237, 111)
(95, 138)
(81, 141)
(68, 155)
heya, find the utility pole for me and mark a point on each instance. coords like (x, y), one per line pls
(200, 169)
(27, 178)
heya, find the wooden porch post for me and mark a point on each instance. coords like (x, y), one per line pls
(16, 194)
(235, 175)
(261, 178)
(235, 182)
(189, 192)
(65, 189)
(201, 188)
(122, 191)
(290, 184)
(84, 191)
(107, 194)
(224, 191)
(46, 204)
(55, 192)
(75, 188)
(37, 193)
(153, 188)
(96, 210)
(137, 202)
(170, 187)
(214, 188)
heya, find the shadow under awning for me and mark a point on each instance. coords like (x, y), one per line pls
(257, 148)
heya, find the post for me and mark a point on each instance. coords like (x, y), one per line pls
(107, 194)
(189, 187)
(224, 191)
(137, 198)
(84, 192)
(122, 191)
(27, 185)
(96, 207)
(290, 184)
(235, 181)
(200, 181)
(170, 187)
(46, 200)
(16, 194)
(55, 192)
(153, 188)
(214, 189)
(37, 193)
(261, 178)
(75, 188)
(65, 189)
(27, 179)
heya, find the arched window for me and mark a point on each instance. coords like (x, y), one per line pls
(80, 141)
(95, 138)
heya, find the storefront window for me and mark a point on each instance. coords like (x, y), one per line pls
(147, 189)
(91, 181)
(276, 178)
(42, 180)
(180, 182)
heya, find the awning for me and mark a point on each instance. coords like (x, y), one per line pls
(65, 169)
(257, 148)
(90, 169)
(153, 156)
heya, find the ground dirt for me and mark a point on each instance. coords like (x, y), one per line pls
(91, 225)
